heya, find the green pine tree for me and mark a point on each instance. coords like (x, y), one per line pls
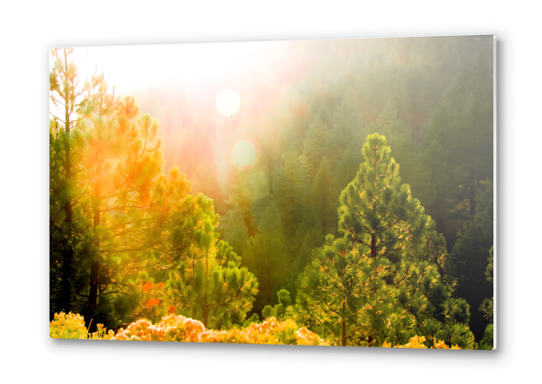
(468, 260)
(204, 279)
(380, 281)
(71, 99)
(314, 145)
(487, 307)
(290, 193)
(323, 198)
(236, 232)
(267, 257)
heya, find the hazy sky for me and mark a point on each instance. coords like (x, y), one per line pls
(132, 66)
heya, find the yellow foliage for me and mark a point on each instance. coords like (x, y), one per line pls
(70, 326)
(418, 342)
(180, 328)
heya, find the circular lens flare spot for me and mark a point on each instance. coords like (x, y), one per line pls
(243, 153)
(228, 102)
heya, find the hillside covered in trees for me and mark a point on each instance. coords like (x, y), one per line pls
(309, 192)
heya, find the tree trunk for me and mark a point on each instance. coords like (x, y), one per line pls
(67, 254)
(205, 300)
(95, 266)
(472, 195)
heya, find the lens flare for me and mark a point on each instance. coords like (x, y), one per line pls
(244, 153)
(228, 102)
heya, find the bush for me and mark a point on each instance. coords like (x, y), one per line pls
(180, 328)
(419, 342)
(70, 326)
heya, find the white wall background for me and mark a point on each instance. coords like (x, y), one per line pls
(29, 29)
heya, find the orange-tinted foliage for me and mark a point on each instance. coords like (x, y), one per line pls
(418, 342)
(180, 328)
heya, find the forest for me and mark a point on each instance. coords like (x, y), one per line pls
(326, 192)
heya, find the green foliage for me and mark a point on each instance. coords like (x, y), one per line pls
(457, 334)
(314, 145)
(407, 152)
(267, 257)
(204, 278)
(70, 242)
(459, 144)
(251, 320)
(311, 235)
(489, 268)
(183, 329)
(451, 333)
(119, 224)
(469, 258)
(487, 341)
(323, 198)
(70, 326)
(487, 307)
(236, 233)
(380, 281)
(282, 310)
(72, 102)
(130, 241)
(290, 191)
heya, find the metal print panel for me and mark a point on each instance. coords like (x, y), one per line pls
(327, 192)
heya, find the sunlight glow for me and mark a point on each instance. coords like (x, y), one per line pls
(228, 102)
(138, 66)
(244, 153)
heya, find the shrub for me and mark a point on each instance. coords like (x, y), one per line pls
(180, 328)
(70, 326)
(419, 342)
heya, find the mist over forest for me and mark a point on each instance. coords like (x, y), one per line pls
(330, 192)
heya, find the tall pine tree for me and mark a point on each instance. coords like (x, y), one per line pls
(468, 260)
(380, 281)
(71, 103)
(267, 257)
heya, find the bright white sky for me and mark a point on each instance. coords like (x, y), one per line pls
(132, 66)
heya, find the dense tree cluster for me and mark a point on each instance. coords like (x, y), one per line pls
(367, 216)
(127, 239)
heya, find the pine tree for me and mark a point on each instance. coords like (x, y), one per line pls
(444, 209)
(468, 260)
(309, 235)
(267, 257)
(280, 311)
(236, 232)
(407, 153)
(291, 192)
(381, 280)
(323, 198)
(69, 243)
(487, 307)
(109, 200)
(347, 167)
(314, 145)
(71, 102)
(250, 188)
(135, 251)
(458, 144)
(348, 129)
(121, 162)
(204, 279)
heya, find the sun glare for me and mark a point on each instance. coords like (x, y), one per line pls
(131, 67)
(244, 153)
(228, 102)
